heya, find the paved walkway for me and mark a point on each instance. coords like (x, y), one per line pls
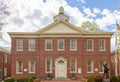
(62, 81)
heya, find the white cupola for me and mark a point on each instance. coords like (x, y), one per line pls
(61, 15)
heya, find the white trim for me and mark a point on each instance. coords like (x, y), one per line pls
(46, 65)
(18, 45)
(29, 66)
(75, 65)
(58, 45)
(5, 58)
(92, 69)
(46, 44)
(75, 45)
(92, 45)
(17, 72)
(57, 75)
(5, 71)
(31, 41)
(103, 66)
(103, 43)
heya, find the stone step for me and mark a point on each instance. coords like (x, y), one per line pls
(61, 79)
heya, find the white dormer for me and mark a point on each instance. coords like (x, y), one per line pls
(61, 15)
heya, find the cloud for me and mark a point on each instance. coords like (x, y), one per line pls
(96, 10)
(88, 12)
(31, 15)
(82, 1)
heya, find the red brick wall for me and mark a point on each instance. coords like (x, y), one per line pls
(5, 65)
(40, 55)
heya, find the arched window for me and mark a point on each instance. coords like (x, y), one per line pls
(61, 61)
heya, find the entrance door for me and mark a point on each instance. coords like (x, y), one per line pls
(61, 69)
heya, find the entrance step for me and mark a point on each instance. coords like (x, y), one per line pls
(61, 79)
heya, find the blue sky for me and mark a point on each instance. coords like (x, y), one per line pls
(29, 15)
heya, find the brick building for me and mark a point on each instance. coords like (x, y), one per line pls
(5, 63)
(60, 49)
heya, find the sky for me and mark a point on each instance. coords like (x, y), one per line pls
(32, 15)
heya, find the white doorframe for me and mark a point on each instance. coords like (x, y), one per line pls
(60, 68)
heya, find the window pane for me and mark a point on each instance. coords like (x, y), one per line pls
(31, 66)
(73, 65)
(73, 44)
(89, 45)
(101, 65)
(102, 45)
(89, 66)
(19, 44)
(60, 44)
(5, 58)
(48, 65)
(31, 45)
(19, 66)
(48, 44)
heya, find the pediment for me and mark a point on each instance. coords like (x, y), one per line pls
(59, 27)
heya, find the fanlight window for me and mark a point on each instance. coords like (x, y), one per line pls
(61, 61)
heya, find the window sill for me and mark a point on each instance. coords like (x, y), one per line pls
(19, 73)
(90, 72)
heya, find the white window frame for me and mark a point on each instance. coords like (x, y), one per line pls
(75, 65)
(88, 45)
(46, 44)
(29, 64)
(5, 58)
(63, 45)
(19, 41)
(92, 67)
(31, 43)
(71, 45)
(5, 71)
(101, 67)
(102, 45)
(50, 65)
(17, 67)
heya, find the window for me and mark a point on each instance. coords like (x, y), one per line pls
(102, 45)
(48, 45)
(73, 66)
(73, 44)
(5, 58)
(19, 67)
(31, 44)
(31, 66)
(90, 66)
(19, 45)
(5, 71)
(48, 65)
(101, 66)
(60, 44)
(89, 45)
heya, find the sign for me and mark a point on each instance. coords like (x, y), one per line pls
(79, 70)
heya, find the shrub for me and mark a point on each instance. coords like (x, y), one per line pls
(29, 78)
(20, 80)
(115, 79)
(90, 78)
(9, 79)
(98, 79)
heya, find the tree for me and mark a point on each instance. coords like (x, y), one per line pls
(89, 26)
(5, 7)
